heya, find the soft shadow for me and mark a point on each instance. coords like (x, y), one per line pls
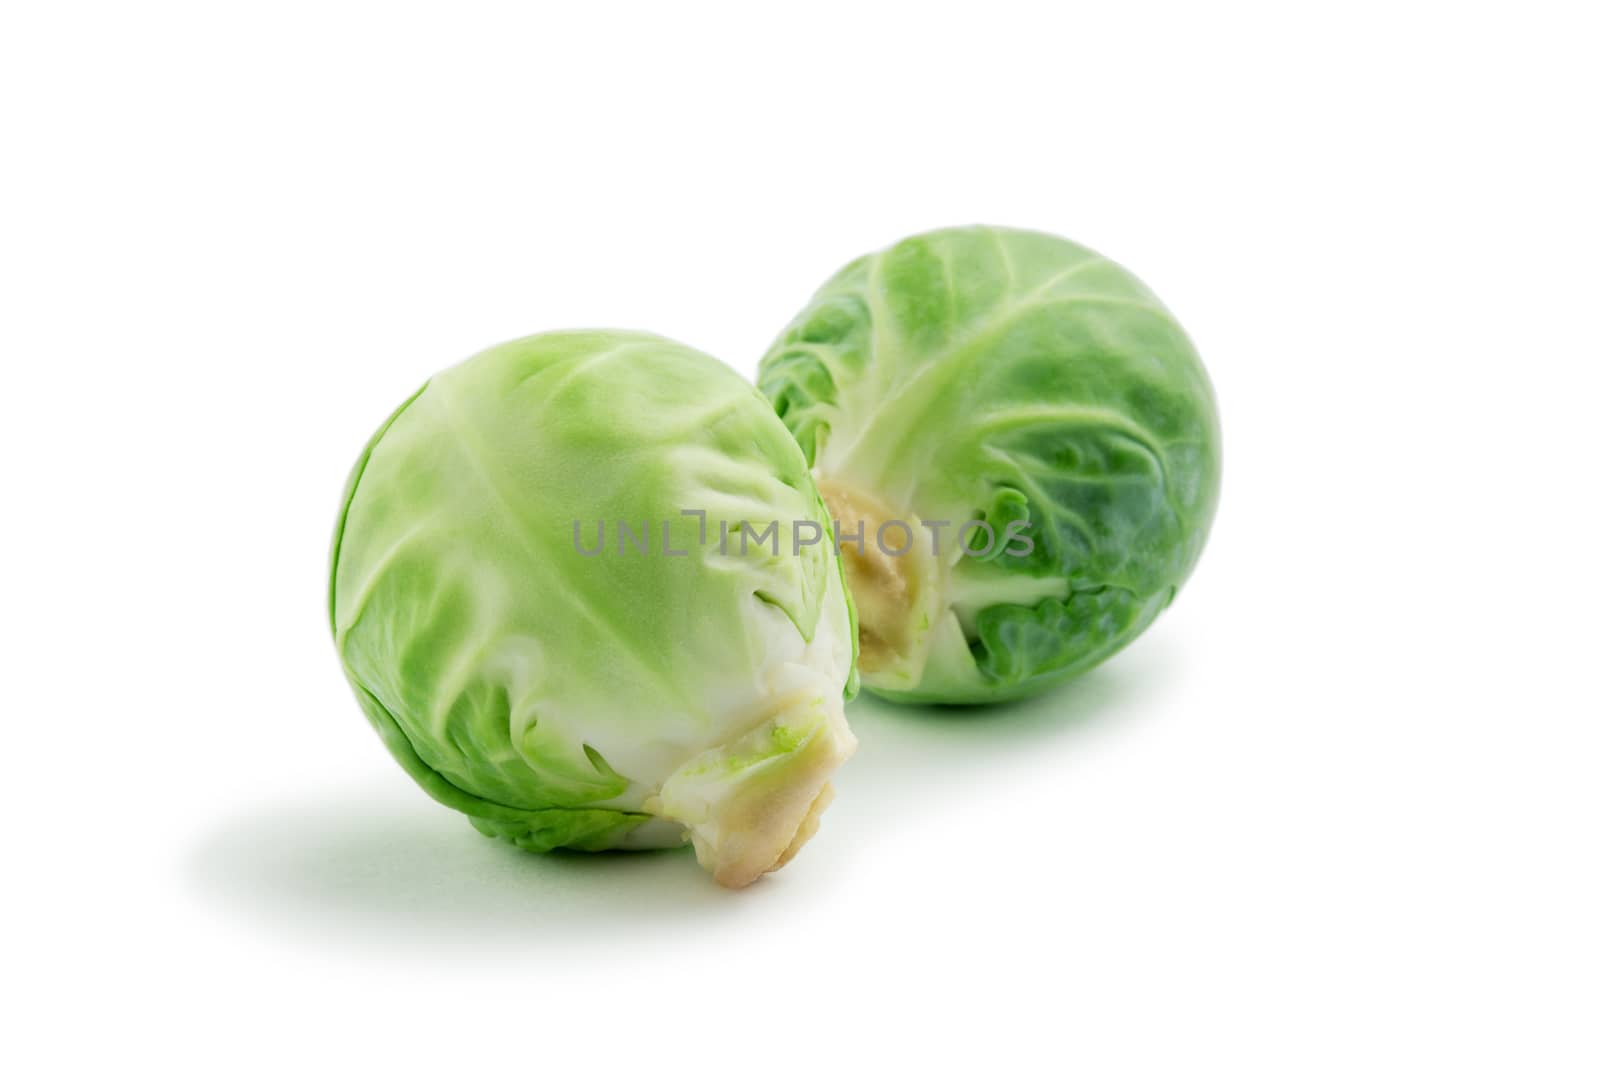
(385, 865)
(918, 758)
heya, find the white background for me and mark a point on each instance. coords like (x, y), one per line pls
(1339, 806)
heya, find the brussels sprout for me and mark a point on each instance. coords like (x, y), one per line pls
(539, 609)
(1032, 391)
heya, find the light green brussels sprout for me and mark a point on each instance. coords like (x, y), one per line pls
(544, 597)
(1031, 391)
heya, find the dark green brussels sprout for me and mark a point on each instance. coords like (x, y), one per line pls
(1035, 433)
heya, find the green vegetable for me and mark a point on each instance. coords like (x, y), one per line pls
(625, 698)
(1018, 379)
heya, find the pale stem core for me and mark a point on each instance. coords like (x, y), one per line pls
(749, 804)
(884, 585)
